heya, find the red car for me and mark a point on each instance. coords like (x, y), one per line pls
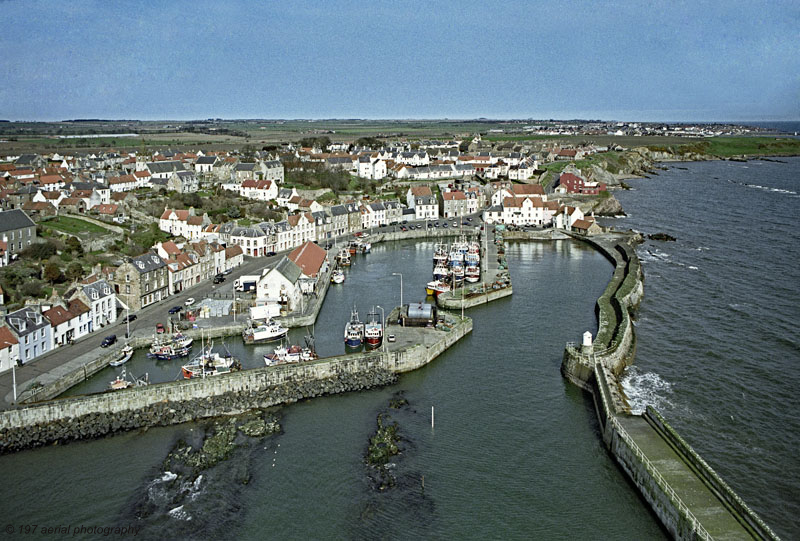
(160, 328)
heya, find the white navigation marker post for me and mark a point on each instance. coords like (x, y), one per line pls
(431, 416)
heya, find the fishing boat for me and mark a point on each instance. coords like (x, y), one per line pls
(440, 272)
(354, 331)
(337, 277)
(166, 347)
(456, 258)
(436, 287)
(472, 274)
(210, 363)
(125, 356)
(291, 354)
(122, 381)
(457, 274)
(343, 257)
(269, 331)
(473, 256)
(354, 246)
(440, 254)
(373, 330)
(365, 247)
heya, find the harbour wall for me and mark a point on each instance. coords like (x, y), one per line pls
(615, 343)
(64, 377)
(454, 301)
(181, 401)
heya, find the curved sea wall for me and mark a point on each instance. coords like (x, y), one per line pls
(615, 343)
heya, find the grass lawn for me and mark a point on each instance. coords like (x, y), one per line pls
(67, 224)
(245, 222)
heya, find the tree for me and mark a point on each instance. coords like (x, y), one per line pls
(51, 273)
(74, 245)
(39, 250)
(74, 271)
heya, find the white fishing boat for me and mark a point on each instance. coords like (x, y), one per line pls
(436, 287)
(343, 257)
(291, 354)
(269, 331)
(440, 272)
(337, 277)
(209, 363)
(472, 274)
(170, 347)
(125, 356)
(440, 254)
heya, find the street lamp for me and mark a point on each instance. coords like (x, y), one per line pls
(383, 328)
(400, 274)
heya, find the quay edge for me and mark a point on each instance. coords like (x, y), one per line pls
(177, 402)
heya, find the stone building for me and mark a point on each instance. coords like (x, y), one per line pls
(17, 230)
(141, 281)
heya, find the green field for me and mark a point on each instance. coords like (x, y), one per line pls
(67, 224)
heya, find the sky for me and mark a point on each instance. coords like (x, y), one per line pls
(615, 60)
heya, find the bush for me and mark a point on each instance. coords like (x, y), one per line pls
(39, 250)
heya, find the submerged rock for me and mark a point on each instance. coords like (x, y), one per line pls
(662, 237)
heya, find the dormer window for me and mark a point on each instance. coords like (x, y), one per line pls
(140, 265)
(107, 290)
(155, 259)
(94, 295)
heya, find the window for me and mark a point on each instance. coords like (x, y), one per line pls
(127, 289)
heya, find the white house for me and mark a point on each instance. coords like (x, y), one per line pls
(261, 190)
(9, 349)
(281, 285)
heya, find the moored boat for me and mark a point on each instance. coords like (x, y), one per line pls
(440, 272)
(264, 332)
(209, 363)
(343, 257)
(354, 331)
(166, 348)
(373, 330)
(436, 287)
(337, 277)
(472, 274)
(290, 354)
(125, 356)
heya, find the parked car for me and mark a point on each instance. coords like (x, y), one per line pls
(445, 225)
(227, 272)
(108, 340)
(160, 328)
(271, 254)
(403, 228)
(358, 234)
(129, 319)
(175, 309)
(219, 279)
(404, 222)
(189, 301)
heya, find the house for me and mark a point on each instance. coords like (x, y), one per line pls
(101, 299)
(567, 216)
(33, 332)
(421, 199)
(82, 322)
(183, 223)
(122, 183)
(17, 230)
(586, 227)
(261, 190)
(312, 261)
(303, 228)
(163, 170)
(285, 195)
(454, 204)
(339, 220)
(254, 241)
(61, 322)
(141, 281)
(234, 256)
(280, 285)
(205, 164)
(9, 349)
(570, 183)
(183, 182)
(39, 210)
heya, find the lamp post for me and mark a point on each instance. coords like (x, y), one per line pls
(383, 327)
(400, 274)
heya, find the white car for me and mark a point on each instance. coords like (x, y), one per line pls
(189, 301)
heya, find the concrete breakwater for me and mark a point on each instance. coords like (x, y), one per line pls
(687, 495)
(177, 402)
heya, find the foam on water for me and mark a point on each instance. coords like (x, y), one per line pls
(645, 389)
(178, 513)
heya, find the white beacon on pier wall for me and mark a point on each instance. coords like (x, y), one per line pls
(586, 347)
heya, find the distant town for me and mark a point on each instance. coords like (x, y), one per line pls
(88, 235)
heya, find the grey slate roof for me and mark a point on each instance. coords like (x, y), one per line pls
(165, 167)
(149, 262)
(206, 160)
(100, 286)
(288, 269)
(14, 219)
(244, 167)
(339, 210)
(29, 318)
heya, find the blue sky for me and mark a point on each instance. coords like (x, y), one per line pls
(660, 61)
